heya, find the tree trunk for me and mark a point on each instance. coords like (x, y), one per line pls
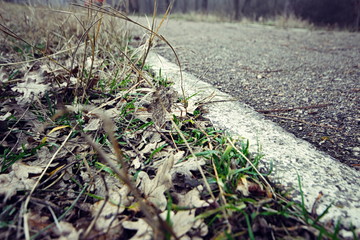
(204, 7)
(243, 7)
(134, 6)
(167, 3)
(357, 19)
(185, 7)
(288, 9)
(237, 9)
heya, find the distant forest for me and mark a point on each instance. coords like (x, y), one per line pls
(342, 13)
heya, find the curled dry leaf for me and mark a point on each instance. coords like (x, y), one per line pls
(37, 221)
(178, 156)
(31, 87)
(118, 200)
(44, 155)
(186, 167)
(113, 112)
(246, 188)
(150, 147)
(243, 186)
(4, 76)
(66, 231)
(93, 125)
(185, 221)
(182, 223)
(107, 213)
(192, 199)
(144, 231)
(5, 116)
(154, 189)
(18, 179)
(152, 136)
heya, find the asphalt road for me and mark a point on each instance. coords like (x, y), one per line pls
(307, 81)
(291, 157)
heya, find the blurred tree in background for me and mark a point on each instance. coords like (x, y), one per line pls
(329, 12)
(341, 13)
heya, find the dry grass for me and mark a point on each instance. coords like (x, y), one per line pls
(199, 17)
(279, 21)
(290, 21)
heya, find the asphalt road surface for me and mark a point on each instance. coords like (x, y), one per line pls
(307, 81)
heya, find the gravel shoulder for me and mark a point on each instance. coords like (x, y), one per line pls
(306, 81)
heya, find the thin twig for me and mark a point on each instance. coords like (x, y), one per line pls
(222, 195)
(64, 214)
(294, 108)
(12, 128)
(7, 31)
(38, 59)
(218, 101)
(92, 224)
(169, 141)
(26, 223)
(302, 121)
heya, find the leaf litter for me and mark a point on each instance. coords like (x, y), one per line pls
(55, 107)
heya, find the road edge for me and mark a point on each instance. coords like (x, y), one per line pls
(291, 157)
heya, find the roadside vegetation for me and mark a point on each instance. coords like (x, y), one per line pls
(332, 14)
(279, 21)
(94, 145)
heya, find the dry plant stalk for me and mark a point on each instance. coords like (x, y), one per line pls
(26, 203)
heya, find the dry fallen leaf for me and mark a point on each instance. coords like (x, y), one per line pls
(144, 231)
(37, 221)
(150, 147)
(113, 112)
(93, 125)
(182, 223)
(161, 104)
(31, 87)
(249, 187)
(192, 199)
(186, 167)
(154, 189)
(243, 186)
(108, 215)
(18, 179)
(66, 231)
(185, 221)
(118, 200)
(44, 155)
(5, 116)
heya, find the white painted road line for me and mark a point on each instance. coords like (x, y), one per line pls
(291, 156)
